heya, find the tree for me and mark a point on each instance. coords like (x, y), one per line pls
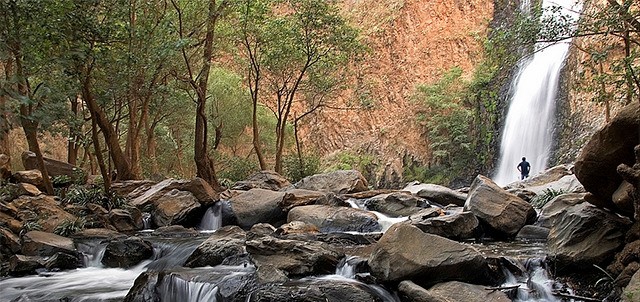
(198, 82)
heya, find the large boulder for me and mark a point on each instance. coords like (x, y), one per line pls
(631, 293)
(45, 209)
(338, 182)
(54, 167)
(225, 242)
(327, 290)
(127, 187)
(438, 194)
(456, 225)
(176, 207)
(24, 265)
(126, 252)
(268, 180)
(37, 243)
(585, 235)
(396, 204)
(257, 206)
(336, 219)
(406, 253)
(556, 207)
(293, 257)
(300, 197)
(9, 242)
(126, 220)
(449, 291)
(612, 145)
(503, 212)
(33, 177)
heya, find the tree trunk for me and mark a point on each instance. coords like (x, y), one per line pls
(256, 135)
(73, 145)
(99, 158)
(110, 135)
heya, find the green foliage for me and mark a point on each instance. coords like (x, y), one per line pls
(81, 195)
(434, 175)
(294, 170)
(234, 168)
(70, 227)
(61, 180)
(547, 195)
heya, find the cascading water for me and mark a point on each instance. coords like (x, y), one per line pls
(212, 219)
(528, 127)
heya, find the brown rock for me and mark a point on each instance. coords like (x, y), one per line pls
(202, 191)
(28, 189)
(46, 209)
(123, 221)
(37, 243)
(268, 180)
(607, 148)
(299, 197)
(175, 207)
(336, 219)
(33, 177)
(9, 241)
(23, 265)
(259, 206)
(338, 182)
(54, 167)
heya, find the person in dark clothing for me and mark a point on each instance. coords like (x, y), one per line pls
(524, 168)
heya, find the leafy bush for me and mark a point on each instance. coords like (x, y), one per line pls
(82, 195)
(61, 180)
(236, 168)
(294, 170)
(70, 227)
(547, 195)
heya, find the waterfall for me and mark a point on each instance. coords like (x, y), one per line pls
(528, 127)
(535, 286)
(212, 219)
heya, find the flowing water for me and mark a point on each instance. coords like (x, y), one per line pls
(528, 129)
(212, 219)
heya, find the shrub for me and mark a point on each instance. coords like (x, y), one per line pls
(82, 195)
(70, 227)
(294, 170)
(547, 195)
(236, 168)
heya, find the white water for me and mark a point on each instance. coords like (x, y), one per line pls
(535, 287)
(528, 129)
(383, 220)
(212, 219)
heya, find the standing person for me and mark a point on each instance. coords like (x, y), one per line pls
(524, 168)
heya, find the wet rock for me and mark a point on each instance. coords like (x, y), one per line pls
(269, 274)
(438, 194)
(260, 230)
(126, 252)
(574, 241)
(629, 254)
(297, 227)
(268, 180)
(406, 253)
(33, 177)
(456, 226)
(396, 204)
(175, 231)
(338, 182)
(149, 196)
(317, 290)
(294, 257)
(531, 232)
(24, 265)
(612, 145)
(623, 198)
(128, 187)
(62, 261)
(99, 233)
(124, 221)
(336, 219)
(45, 209)
(556, 207)
(299, 197)
(258, 206)
(11, 223)
(37, 243)
(449, 291)
(504, 213)
(226, 242)
(202, 191)
(176, 207)
(219, 283)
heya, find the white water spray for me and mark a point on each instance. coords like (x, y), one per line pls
(528, 127)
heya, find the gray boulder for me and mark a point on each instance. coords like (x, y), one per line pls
(37, 243)
(556, 207)
(126, 220)
(126, 252)
(54, 167)
(294, 257)
(338, 182)
(438, 194)
(454, 225)
(631, 292)
(336, 219)
(25, 265)
(301, 197)
(259, 206)
(532, 232)
(449, 291)
(320, 290)
(503, 212)
(406, 253)
(268, 180)
(396, 204)
(176, 207)
(226, 242)
(585, 235)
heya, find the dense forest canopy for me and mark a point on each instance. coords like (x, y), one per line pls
(218, 88)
